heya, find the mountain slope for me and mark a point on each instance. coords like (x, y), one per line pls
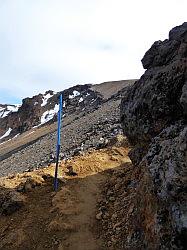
(88, 124)
(42, 109)
(107, 89)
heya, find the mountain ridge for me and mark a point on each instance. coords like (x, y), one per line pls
(42, 108)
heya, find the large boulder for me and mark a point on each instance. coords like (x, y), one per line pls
(159, 97)
(154, 118)
(163, 53)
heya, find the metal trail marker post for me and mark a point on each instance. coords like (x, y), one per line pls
(58, 141)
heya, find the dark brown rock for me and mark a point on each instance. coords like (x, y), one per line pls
(154, 119)
(154, 101)
(162, 53)
(179, 33)
(10, 202)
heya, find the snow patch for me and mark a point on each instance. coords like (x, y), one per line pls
(16, 136)
(4, 111)
(7, 133)
(49, 114)
(75, 93)
(81, 100)
(9, 139)
(14, 108)
(45, 99)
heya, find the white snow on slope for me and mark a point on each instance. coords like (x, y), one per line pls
(4, 111)
(9, 139)
(49, 114)
(81, 99)
(75, 93)
(16, 136)
(6, 133)
(45, 99)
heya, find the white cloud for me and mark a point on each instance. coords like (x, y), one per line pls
(52, 44)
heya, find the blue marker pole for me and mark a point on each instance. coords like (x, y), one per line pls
(58, 142)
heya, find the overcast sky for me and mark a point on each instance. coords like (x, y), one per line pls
(54, 44)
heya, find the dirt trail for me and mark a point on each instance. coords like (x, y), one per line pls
(87, 193)
(65, 220)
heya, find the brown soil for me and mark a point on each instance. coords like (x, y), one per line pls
(65, 220)
(107, 89)
(26, 138)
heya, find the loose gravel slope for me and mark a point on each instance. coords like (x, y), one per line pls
(83, 132)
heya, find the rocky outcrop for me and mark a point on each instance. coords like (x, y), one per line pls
(6, 109)
(154, 118)
(159, 97)
(43, 108)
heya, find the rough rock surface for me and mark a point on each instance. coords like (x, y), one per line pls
(153, 115)
(159, 97)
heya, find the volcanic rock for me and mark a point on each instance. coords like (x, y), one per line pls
(159, 97)
(154, 119)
